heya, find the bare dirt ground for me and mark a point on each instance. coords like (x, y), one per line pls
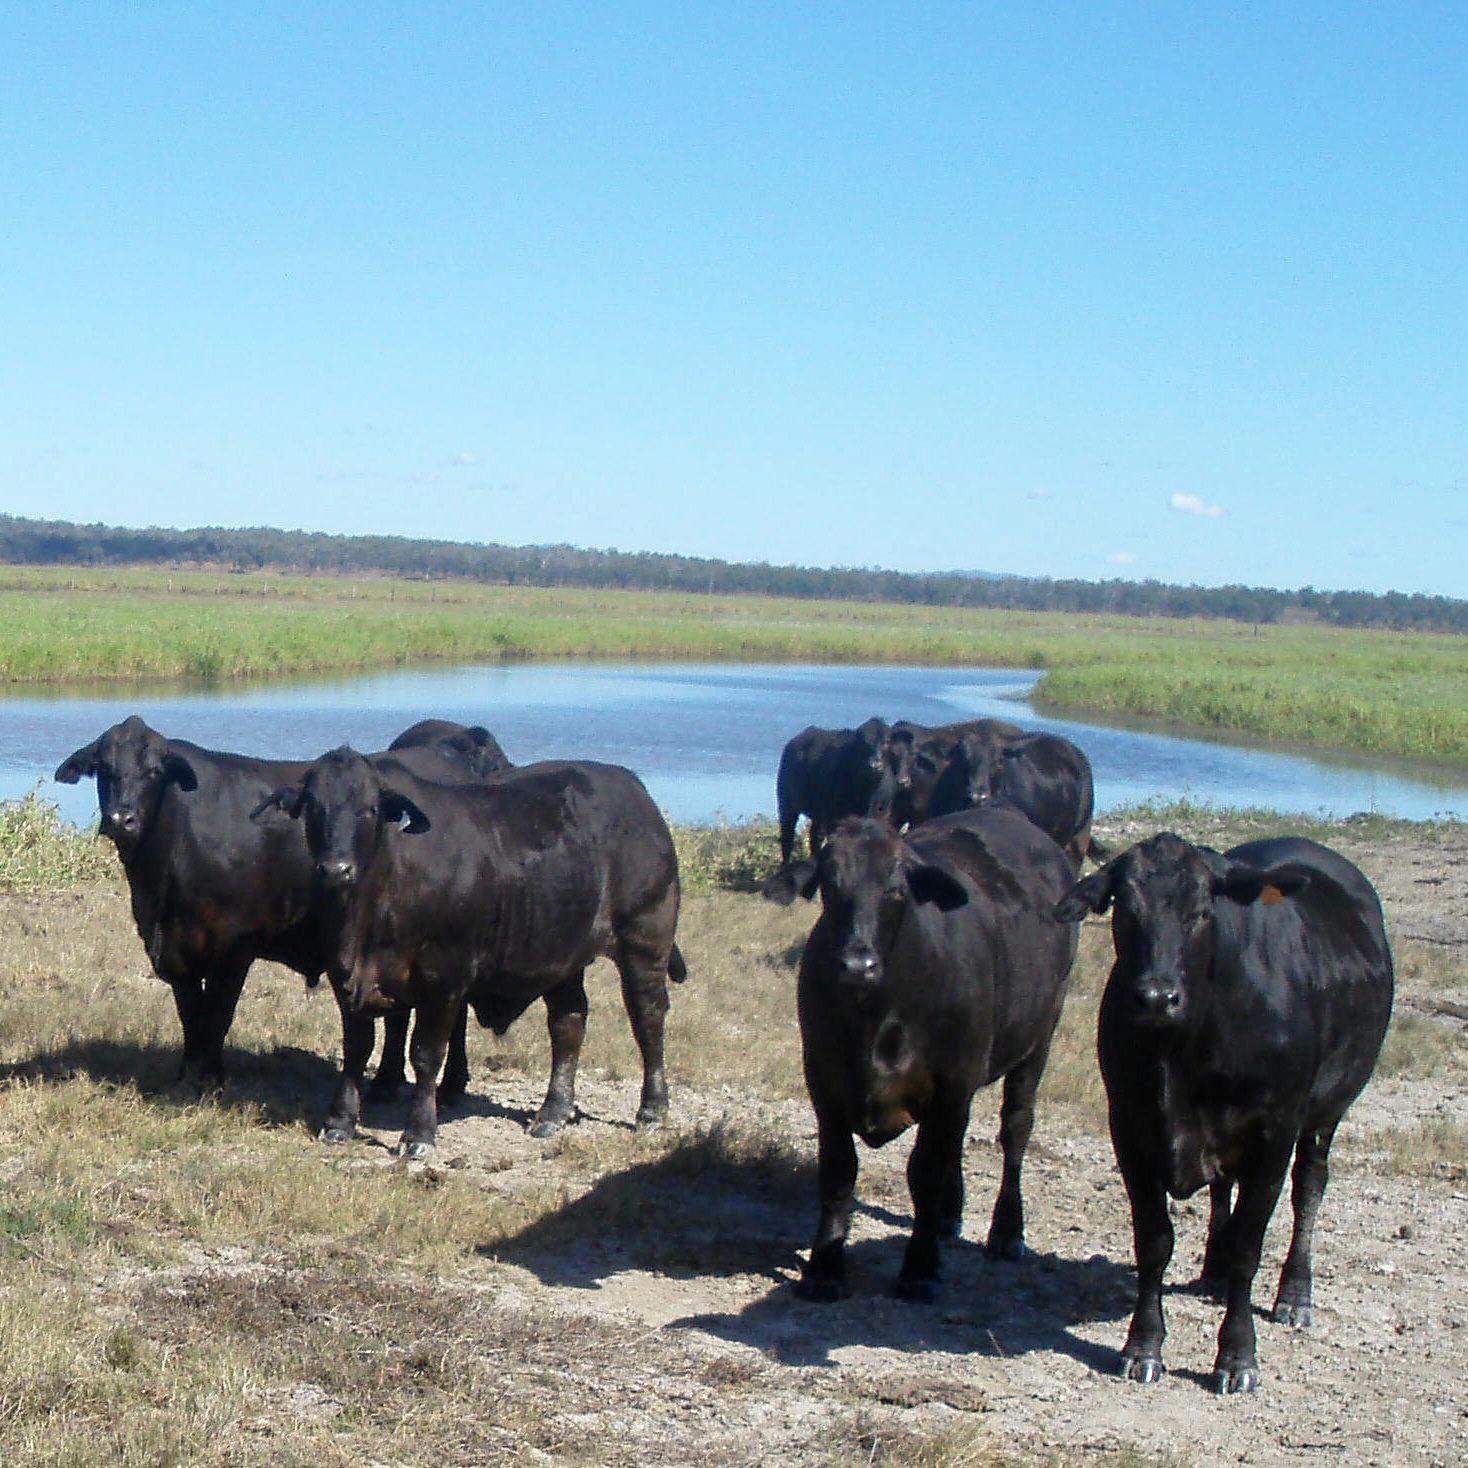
(641, 1310)
(694, 1282)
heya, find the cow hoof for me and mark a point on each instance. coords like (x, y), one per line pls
(1013, 1251)
(547, 1126)
(337, 1136)
(1228, 1382)
(1146, 1369)
(650, 1121)
(412, 1151)
(1297, 1315)
(916, 1291)
(821, 1291)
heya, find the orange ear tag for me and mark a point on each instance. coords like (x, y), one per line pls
(1271, 895)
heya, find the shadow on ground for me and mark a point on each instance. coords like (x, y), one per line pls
(288, 1085)
(692, 1216)
(986, 1306)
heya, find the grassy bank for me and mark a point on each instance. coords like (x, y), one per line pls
(1371, 692)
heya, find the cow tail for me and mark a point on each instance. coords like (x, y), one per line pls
(677, 969)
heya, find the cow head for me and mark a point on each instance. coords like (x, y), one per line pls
(978, 763)
(133, 766)
(867, 876)
(346, 805)
(1162, 895)
(479, 750)
(471, 746)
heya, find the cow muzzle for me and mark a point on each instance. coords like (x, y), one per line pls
(860, 964)
(337, 873)
(1157, 1001)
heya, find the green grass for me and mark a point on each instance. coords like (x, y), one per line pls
(38, 849)
(1381, 693)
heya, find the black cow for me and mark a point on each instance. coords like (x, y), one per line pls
(211, 891)
(1243, 1015)
(933, 969)
(827, 774)
(919, 756)
(501, 893)
(1043, 775)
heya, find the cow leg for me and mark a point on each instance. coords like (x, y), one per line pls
(1237, 1369)
(645, 993)
(936, 1155)
(1215, 1253)
(788, 820)
(1016, 1122)
(188, 999)
(390, 1073)
(565, 1017)
(222, 990)
(1152, 1239)
(432, 1026)
(823, 1277)
(358, 1035)
(455, 1080)
(1312, 1155)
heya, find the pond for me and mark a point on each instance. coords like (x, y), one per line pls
(705, 738)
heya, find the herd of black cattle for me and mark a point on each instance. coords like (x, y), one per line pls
(1248, 1001)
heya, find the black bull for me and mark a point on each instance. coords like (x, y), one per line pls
(500, 893)
(1244, 1013)
(934, 969)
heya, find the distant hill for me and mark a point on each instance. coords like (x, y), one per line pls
(58, 542)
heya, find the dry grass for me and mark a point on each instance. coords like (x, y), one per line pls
(190, 1280)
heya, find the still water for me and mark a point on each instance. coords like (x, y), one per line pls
(704, 737)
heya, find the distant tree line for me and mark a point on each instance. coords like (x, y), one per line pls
(56, 542)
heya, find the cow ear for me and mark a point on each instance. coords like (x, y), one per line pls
(288, 799)
(796, 879)
(399, 810)
(930, 883)
(180, 771)
(1245, 884)
(75, 766)
(1091, 894)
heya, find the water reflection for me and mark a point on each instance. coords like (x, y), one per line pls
(705, 738)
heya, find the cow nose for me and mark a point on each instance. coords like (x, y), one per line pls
(861, 963)
(1159, 1001)
(337, 872)
(123, 821)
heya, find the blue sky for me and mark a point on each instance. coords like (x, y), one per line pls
(1168, 291)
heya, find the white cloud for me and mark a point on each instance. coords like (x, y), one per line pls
(1121, 558)
(1040, 493)
(1195, 504)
